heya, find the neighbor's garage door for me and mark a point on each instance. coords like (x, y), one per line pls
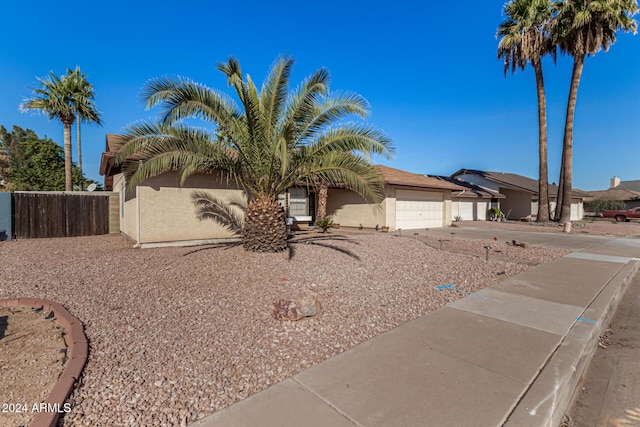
(418, 209)
(463, 209)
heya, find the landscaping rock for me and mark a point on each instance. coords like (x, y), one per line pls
(297, 305)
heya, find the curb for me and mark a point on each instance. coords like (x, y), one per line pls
(77, 354)
(551, 393)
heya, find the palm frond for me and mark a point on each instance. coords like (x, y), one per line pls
(222, 212)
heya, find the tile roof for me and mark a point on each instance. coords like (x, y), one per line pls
(399, 177)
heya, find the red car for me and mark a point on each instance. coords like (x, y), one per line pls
(623, 215)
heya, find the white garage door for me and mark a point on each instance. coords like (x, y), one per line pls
(482, 211)
(418, 209)
(463, 209)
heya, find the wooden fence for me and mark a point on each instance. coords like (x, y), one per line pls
(58, 214)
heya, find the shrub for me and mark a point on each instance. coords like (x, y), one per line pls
(604, 204)
(325, 224)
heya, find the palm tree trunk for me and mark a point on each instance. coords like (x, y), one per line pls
(560, 187)
(79, 157)
(264, 228)
(567, 164)
(68, 183)
(543, 185)
(323, 192)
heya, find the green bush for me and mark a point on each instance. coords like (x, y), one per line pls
(325, 224)
(604, 204)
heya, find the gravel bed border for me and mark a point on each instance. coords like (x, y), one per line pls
(77, 354)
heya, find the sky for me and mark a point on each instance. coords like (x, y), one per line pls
(428, 69)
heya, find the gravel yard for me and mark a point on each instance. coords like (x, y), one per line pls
(595, 227)
(178, 333)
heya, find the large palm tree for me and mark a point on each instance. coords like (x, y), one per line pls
(83, 102)
(276, 139)
(524, 39)
(55, 99)
(582, 28)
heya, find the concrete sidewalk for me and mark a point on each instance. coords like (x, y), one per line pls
(510, 354)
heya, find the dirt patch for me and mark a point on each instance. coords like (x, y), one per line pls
(32, 357)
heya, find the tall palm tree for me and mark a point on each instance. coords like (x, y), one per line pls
(524, 39)
(55, 99)
(83, 103)
(276, 139)
(582, 28)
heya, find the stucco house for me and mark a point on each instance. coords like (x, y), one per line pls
(472, 202)
(208, 208)
(520, 193)
(412, 201)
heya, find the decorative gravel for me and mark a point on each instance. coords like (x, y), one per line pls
(178, 333)
(595, 226)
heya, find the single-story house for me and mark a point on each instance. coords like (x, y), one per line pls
(626, 191)
(412, 201)
(473, 202)
(521, 193)
(209, 207)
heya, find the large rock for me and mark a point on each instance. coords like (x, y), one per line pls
(297, 305)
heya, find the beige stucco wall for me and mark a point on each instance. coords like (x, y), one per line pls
(518, 202)
(349, 209)
(129, 212)
(167, 212)
(114, 213)
(448, 208)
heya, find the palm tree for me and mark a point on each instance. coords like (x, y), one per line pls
(524, 38)
(84, 106)
(55, 99)
(277, 139)
(582, 28)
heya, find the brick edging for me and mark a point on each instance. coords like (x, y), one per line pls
(77, 354)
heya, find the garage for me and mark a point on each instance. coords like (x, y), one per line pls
(469, 210)
(418, 209)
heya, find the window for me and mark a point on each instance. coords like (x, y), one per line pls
(297, 201)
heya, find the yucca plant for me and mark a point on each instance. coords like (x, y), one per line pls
(276, 139)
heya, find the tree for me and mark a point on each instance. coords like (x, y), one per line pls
(582, 28)
(525, 39)
(55, 99)
(277, 139)
(33, 163)
(83, 104)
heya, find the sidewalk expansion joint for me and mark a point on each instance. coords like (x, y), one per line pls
(328, 403)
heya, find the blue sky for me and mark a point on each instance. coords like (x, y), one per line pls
(428, 69)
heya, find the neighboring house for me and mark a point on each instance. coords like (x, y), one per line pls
(626, 191)
(520, 193)
(159, 211)
(473, 202)
(412, 201)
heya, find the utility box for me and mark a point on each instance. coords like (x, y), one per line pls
(6, 216)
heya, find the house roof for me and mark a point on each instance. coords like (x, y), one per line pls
(471, 191)
(393, 176)
(628, 185)
(616, 193)
(107, 167)
(516, 181)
